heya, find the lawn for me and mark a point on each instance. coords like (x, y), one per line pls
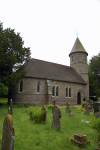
(29, 136)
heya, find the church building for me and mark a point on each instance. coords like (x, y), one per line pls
(44, 81)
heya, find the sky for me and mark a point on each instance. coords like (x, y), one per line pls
(50, 27)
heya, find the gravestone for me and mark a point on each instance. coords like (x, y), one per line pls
(56, 117)
(8, 134)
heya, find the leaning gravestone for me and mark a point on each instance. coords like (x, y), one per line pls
(8, 133)
(56, 117)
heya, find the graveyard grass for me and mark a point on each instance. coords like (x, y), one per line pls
(29, 136)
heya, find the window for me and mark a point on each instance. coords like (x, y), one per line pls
(69, 92)
(21, 86)
(66, 92)
(72, 58)
(53, 91)
(38, 87)
(57, 91)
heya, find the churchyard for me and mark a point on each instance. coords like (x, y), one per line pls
(35, 136)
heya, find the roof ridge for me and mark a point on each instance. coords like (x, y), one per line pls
(50, 62)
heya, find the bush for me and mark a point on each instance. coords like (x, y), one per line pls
(50, 106)
(3, 90)
(37, 114)
(96, 125)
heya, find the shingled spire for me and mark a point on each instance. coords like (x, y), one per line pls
(78, 47)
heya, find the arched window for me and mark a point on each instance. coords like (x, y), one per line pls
(57, 91)
(38, 86)
(69, 92)
(66, 92)
(21, 86)
(53, 91)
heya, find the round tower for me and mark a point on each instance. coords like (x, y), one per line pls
(78, 61)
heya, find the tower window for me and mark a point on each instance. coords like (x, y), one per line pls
(72, 58)
(21, 86)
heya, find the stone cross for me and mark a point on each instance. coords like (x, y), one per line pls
(8, 134)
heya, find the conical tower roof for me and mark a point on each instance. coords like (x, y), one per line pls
(78, 47)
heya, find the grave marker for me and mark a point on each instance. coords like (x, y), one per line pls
(8, 134)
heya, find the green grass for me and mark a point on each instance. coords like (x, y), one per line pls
(3, 100)
(29, 136)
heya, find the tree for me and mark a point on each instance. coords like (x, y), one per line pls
(94, 75)
(13, 55)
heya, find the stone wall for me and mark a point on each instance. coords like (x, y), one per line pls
(29, 95)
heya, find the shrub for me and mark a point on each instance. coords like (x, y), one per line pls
(3, 90)
(50, 106)
(96, 125)
(37, 114)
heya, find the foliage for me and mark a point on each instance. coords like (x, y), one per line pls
(29, 136)
(94, 75)
(37, 114)
(96, 125)
(13, 55)
(3, 90)
(50, 106)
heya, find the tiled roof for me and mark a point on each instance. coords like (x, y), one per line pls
(46, 70)
(78, 47)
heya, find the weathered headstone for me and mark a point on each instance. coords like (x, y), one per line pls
(56, 117)
(8, 134)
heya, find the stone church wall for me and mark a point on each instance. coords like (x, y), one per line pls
(29, 95)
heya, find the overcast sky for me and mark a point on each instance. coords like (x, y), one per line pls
(50, 27)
